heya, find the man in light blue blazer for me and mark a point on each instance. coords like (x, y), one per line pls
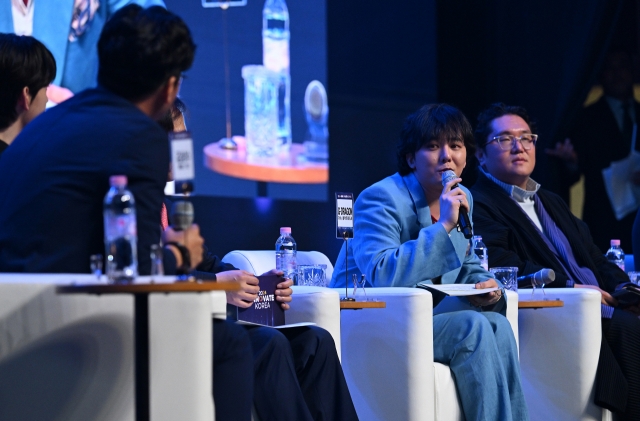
(406, 234)
(56, 23)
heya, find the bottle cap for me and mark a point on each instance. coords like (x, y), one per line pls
(615, 242)
(285, 230)
(118, 180)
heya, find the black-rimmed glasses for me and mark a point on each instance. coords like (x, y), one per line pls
(507, 141)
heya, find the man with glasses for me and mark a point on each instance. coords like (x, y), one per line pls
(532, 228)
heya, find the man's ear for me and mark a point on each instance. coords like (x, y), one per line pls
(411, 160)
(481, 155)
(24, 101)
(171, 89)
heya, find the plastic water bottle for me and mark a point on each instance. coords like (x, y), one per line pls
(481, 251)
(286, 253)
(120, 232)
(615, 254)
(275, 36)
(275, 57)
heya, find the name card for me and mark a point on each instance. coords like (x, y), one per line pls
(344, 215)
(182, 156)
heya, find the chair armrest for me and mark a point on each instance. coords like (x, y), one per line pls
(387, 355)
(318, 305)
(559, 350)
(512, 313)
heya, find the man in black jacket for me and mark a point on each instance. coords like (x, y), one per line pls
(531, 228)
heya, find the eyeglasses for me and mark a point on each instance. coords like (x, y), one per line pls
(507, 141)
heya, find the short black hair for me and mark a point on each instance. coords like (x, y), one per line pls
(497, 110)
(433, 121)
(140, 49)
(178, 108)
(24, 61)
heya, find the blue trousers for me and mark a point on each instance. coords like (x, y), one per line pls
(481, 351)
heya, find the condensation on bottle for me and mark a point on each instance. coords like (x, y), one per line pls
(120, 232)
(286, 249)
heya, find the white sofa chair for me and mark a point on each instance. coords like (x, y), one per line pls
(559, 349)
(387, 358)
(310, 304)
(71, 357)
(387, 354)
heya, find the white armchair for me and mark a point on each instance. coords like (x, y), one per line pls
(310, 304)
(387, 358)
(559, 350)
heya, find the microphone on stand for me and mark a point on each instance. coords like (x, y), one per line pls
(181, 216)
(463, 218)
(537, 280)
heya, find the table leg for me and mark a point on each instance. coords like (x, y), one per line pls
(141, 323)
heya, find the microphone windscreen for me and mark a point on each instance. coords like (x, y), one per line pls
(447, 176)
(547, 275)
(181, 215)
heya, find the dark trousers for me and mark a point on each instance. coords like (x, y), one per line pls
(622, 334)
(298, 376)
(232, 372)
(290, 374)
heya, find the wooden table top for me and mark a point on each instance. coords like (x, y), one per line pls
(291, 168)
(540, 303)
(144, 288)
(357, 305)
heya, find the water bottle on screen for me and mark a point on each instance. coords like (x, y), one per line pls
(615, 254)
(120, 232)
(481, 251)
(286, 253)
(275, 57)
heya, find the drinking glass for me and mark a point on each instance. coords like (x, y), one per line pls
(261, 110)
(506, 275)
(312, 275)
(633, 277)
(157, 268)
(95, 262)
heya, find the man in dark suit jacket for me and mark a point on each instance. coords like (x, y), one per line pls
(602, 134)
(55, 175)
(531, 228)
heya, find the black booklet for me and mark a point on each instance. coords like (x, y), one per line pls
(264, 310)
(627, 295)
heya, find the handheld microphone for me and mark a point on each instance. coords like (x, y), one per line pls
(463, 218)
(537, 280)
(181, 215)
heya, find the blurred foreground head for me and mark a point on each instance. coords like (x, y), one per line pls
(142, 50)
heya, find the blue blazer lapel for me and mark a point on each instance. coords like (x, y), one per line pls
(419, 200)
(51, 25)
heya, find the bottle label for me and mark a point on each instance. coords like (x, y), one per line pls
(276, 54)
(120, 226)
